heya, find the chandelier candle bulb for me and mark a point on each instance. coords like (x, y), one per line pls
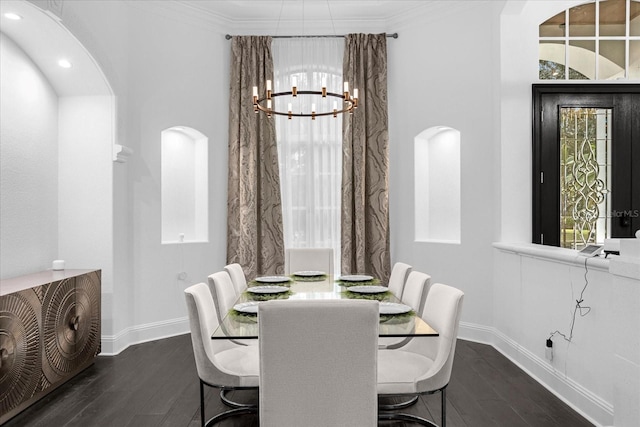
(294, 86)
(324, 87)
(255, 92)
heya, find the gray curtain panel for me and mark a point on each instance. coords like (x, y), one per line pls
(254, 209)
(365, 161)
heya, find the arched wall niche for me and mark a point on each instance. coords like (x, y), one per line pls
(437, 185)
(184, 185)
(86, 123)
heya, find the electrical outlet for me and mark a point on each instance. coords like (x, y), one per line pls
(548, 351)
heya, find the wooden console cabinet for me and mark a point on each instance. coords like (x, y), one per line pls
(49, 331)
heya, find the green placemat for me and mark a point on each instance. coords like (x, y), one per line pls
(397, 318)
(243, 317)
(375, 297)
(255, 283)
(309, 278)
(267, 297)
(367, 283)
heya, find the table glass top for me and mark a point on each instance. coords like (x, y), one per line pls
(244, 324)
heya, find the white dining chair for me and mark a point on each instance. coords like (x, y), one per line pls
(301, 259)
(414, 295)
(237, 277)
(416, 290)
(223, 291)
(424, 365)
(220, 363)
(399, 274)
(318, 363)
(224, 296)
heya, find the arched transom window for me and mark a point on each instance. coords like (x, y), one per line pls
(599, 40)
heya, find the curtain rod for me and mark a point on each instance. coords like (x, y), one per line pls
(229, 36)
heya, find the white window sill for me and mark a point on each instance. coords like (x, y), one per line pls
(177, 242)
(552, 253)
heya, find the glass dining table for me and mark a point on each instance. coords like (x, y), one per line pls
(396, 318)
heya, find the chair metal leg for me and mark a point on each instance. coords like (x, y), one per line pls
(405, 417)
(401, 405)
(239, 410)
(233, 404)
(230, 413)
(201, 403)
(443, 397)
(399, 416)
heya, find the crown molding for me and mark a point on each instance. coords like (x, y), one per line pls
(186, 13)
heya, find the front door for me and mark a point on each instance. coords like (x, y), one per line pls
(586, 163)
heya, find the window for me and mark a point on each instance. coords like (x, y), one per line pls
(184, 186)
(593, 41)
(310, 151)
(585, 145)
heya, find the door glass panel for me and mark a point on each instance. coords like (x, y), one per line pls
(585, 176)
(613, 17)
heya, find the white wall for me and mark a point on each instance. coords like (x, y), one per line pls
(166, 69)
(102, 28)
(85, 187)
(442, 72)
(28, 165)
(85, 182)
(536, 296)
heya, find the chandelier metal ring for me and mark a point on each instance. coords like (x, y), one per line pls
(351, 104)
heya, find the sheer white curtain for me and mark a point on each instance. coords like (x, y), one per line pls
(310, 151)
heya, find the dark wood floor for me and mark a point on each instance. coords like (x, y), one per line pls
(155, 384)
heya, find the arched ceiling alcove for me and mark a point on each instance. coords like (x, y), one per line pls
(46, 40)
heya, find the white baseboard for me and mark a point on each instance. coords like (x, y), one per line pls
(114, 344)
(584, 401)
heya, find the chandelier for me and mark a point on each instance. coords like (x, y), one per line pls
(348, 102)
